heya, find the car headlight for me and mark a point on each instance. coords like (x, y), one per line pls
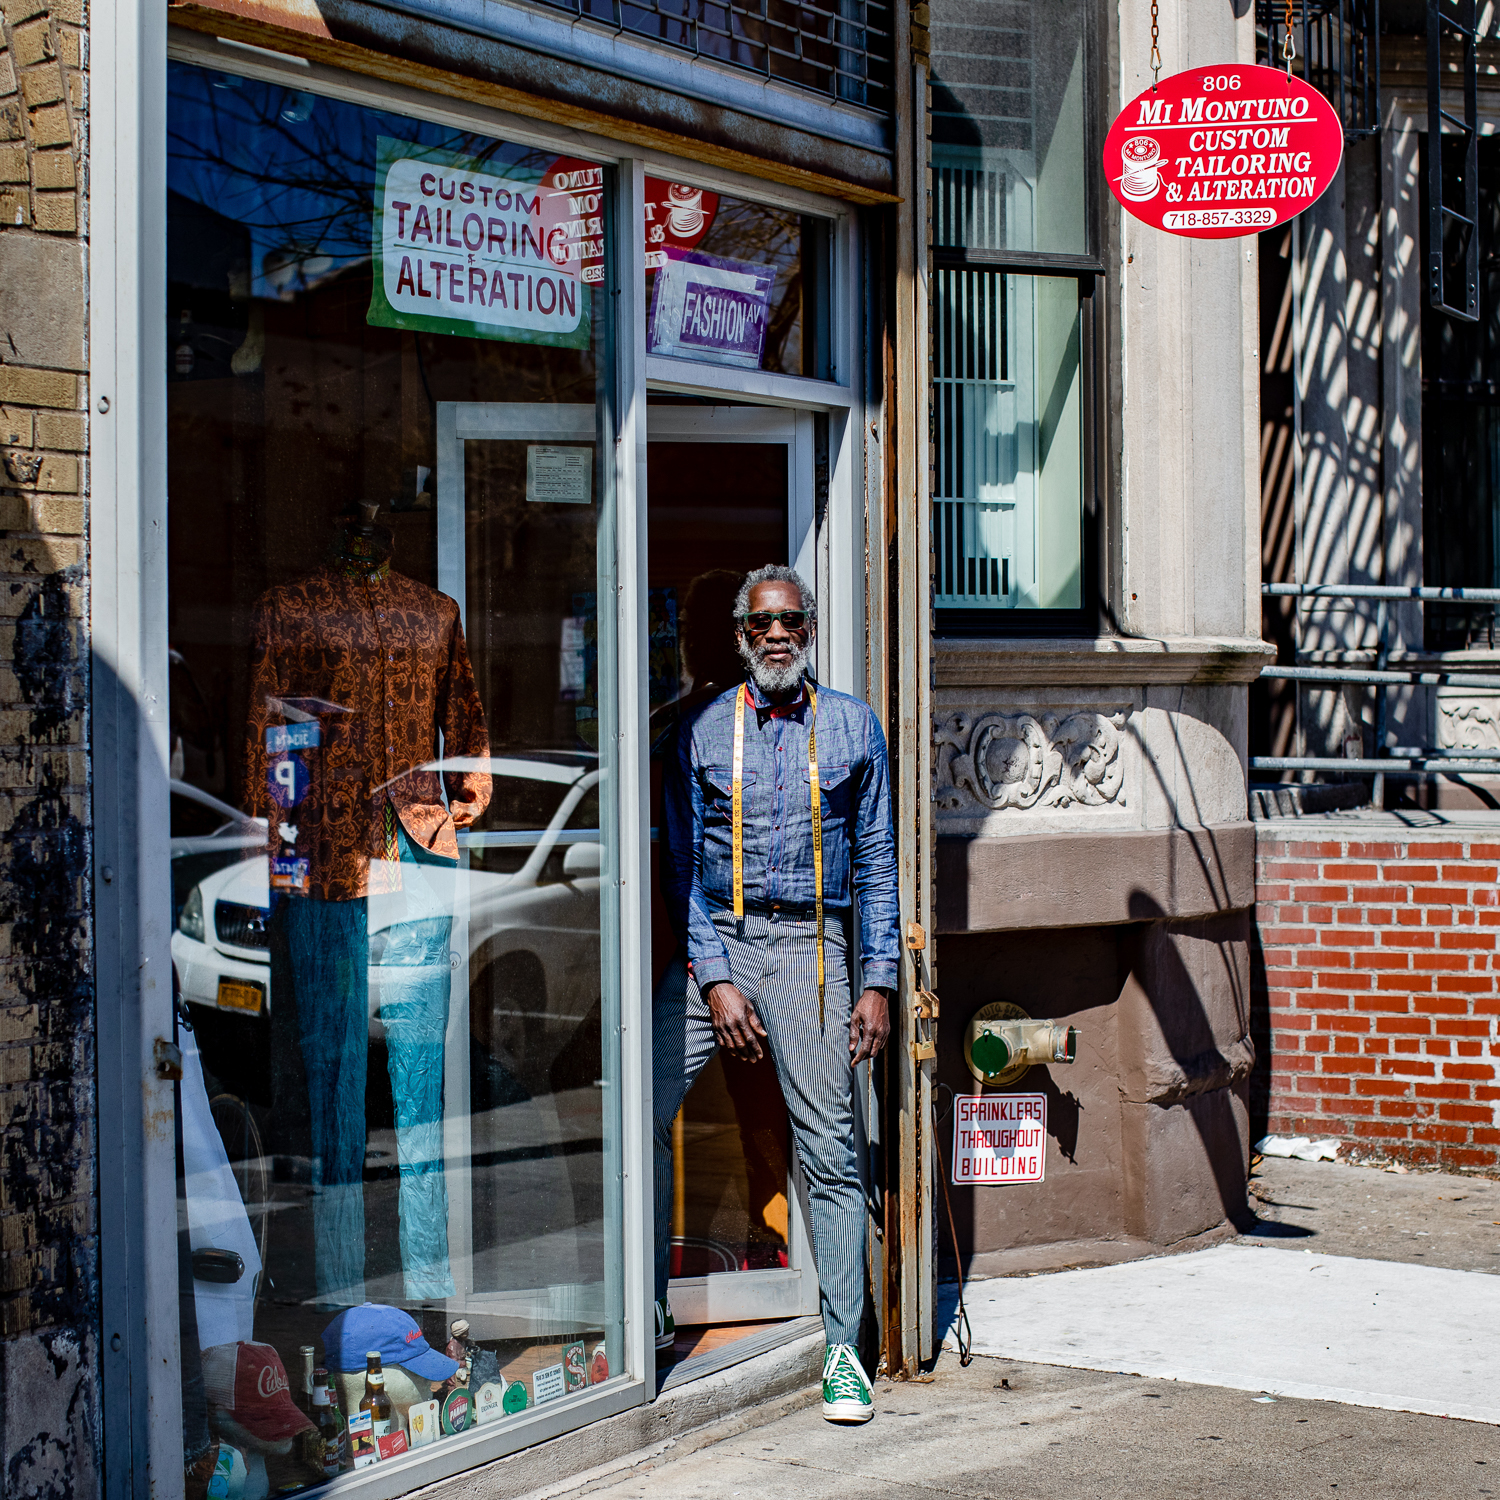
(190, 923)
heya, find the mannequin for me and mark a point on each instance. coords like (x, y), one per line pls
(356, 672)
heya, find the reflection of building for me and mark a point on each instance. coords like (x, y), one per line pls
(599, 308)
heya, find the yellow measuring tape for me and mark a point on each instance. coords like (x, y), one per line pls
(815, 791)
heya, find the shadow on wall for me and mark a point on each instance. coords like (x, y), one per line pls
(1185, 1061)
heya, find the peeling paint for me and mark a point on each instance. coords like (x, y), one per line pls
(49, 1275)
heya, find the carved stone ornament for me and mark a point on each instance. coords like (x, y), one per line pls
(1026, 761)
(1470, 722)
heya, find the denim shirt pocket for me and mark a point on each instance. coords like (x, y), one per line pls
(834, 779)
(718, 789)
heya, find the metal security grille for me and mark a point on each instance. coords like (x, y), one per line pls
(841, 48)
(974, 490)
(1338, 52)
(1453, 232)
(968, 204)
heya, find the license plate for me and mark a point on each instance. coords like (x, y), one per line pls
(234, 996)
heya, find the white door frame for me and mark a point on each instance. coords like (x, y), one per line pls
(731, 1296)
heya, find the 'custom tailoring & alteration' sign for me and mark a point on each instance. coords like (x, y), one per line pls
(1214, 153)
(459, 250)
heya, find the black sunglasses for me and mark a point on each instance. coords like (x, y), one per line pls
(759, 621)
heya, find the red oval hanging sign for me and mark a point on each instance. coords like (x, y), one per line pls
(1219, 152)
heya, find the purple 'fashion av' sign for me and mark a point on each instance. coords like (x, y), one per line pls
(711, 309)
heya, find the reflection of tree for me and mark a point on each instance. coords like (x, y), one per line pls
(763, 236)
(298, 168)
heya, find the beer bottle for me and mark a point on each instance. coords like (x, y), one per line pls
(330, 1437)
(375, 1401)
(303, 1394)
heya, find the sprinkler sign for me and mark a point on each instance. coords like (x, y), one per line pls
(999, 1138)
(1215, 153)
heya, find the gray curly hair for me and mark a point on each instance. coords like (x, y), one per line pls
(774, 573)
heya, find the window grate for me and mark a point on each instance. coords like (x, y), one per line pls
(1338, 53)
(1453, 232)
(838, 48)
(975, 440)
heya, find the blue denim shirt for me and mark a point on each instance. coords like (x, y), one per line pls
(859, 843)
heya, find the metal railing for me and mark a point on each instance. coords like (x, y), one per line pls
(1403, 762)
(840, 48)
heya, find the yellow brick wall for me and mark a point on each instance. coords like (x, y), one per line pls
(49, 1273)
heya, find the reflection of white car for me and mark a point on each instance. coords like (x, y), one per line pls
(532, 931)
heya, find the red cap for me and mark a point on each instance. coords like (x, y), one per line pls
(249, 1381)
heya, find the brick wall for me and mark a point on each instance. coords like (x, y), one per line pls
(49, 1424)
(1378, 990)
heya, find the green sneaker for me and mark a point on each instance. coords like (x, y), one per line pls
(666, 1325)
(847, 1396)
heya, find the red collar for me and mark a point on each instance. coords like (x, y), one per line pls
(766, 710)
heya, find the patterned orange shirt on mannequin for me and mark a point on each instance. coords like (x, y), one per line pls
(379, 661)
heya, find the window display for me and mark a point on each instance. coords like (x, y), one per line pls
(393, 831)
(736, 283)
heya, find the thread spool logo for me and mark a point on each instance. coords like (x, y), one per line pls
(684, 210)
(1140, 163)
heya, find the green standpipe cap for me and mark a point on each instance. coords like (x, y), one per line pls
(990, 1053)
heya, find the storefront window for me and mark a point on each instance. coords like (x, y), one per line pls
(1009, 154)
(1007, 498)
(1011, 232)
(735, 283)
(392, 730)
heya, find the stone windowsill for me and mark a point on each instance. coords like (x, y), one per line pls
(1124, 660)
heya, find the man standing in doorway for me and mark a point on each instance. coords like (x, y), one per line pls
(778, 816)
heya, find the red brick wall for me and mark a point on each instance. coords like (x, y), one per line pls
(1378, 1000)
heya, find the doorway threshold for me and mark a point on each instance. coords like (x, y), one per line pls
(723, 1354)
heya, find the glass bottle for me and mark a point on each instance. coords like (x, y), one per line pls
(375, 1401)
(331, 1437)
(303, 1394)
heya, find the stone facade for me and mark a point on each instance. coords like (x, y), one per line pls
(1094, 858)
(49, 1274)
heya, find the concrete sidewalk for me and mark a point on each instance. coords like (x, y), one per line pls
(1038, 1432)
(1394, 1308)
(1285, 1322)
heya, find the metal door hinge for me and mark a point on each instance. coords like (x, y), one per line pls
(168, 1060)
(926, 1004)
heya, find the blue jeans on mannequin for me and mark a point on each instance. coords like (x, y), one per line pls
(328, 943)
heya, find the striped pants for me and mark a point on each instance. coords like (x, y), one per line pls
(775, 966)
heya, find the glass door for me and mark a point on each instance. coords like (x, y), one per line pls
(729, 488)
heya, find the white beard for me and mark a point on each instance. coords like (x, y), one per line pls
(772, 680)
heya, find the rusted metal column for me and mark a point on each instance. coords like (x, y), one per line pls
(909, 1218)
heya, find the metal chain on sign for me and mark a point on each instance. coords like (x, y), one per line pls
(1288, 46)
(1156, 45)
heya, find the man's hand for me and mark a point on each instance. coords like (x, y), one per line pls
(736, 1026)
(869, 1025)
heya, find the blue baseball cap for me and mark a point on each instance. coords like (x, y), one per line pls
(374, 1328)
